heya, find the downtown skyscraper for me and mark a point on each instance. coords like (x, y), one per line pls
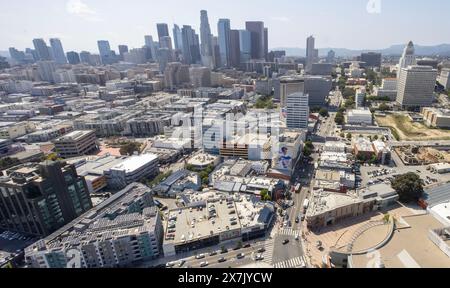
(42, 50)
(191, 46)
(163, 30)
(206, 40)
(105, 51)
(311, 53)
(256, 28)
(223, 27)
(58, 51)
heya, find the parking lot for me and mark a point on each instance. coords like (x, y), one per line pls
(371, 175)
(12, 244)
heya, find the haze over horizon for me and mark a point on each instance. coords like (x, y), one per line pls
(341, 24)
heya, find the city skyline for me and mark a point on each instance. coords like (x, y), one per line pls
(70, 19)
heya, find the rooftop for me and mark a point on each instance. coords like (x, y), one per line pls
(135, 162)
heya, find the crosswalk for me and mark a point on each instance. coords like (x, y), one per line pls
(297, 262)
(268, 254)
(288, 232)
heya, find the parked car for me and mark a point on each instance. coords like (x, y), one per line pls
(286, 241)
(204, 264)
(240, 256)
(221, 260)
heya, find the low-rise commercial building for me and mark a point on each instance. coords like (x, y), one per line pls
(76, 143)
(133, 169)
(435, 117)
(359, 117)
(210, 218)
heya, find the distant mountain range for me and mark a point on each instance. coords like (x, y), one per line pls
(442, 50)
(4, 53)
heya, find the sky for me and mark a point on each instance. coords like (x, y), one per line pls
(353, 24)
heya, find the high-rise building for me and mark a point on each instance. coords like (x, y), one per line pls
(46, 70)
(163, 30)
(32, 52)
(3, 63)
(216, 52)
(136, 56)
(206, 40)
(132, 233)
(45, 197)
(166, 42)
(151, 46)
(16, 55)
(200, 76)
(297, 111)
(331, 56)
(164, 56)
(310, 53)
(416, 86)
(58, 51)
(223, 28)
(266, 43)
(191, 45)
(372, 59)
(42, 50)
(177, 38)
(235, 49)
(105, 52)
(73, 57)
(258, 38)
(317, 88)
(122, 50)
(175, 75)
(408, 58)
(245, 45)
(85, 58)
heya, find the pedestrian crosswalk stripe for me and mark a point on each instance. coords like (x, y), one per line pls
(297, 262)
(288, 232)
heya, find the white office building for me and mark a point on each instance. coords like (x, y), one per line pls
(359, 117)
(444, 78)
(132, 170)
(416, 86)
(297, 111)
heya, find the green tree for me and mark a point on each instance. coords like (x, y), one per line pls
(349, 136)
(130, 148)
(375, 137)
(339, 119)
(324, 112)
(348, 92)
(342, 135)
(307, 151)
(350, 102)
(265, 195)
(384, 107)
(409, 187)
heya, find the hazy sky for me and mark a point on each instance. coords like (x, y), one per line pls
(335, 23)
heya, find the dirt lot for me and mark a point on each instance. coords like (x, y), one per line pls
(407, 130)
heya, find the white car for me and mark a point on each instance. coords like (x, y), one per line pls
(204, 264)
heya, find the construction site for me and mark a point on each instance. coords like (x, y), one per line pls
(415, 155)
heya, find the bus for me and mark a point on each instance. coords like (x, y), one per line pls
(305, 204)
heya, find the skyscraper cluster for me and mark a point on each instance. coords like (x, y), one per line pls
(229, 49)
